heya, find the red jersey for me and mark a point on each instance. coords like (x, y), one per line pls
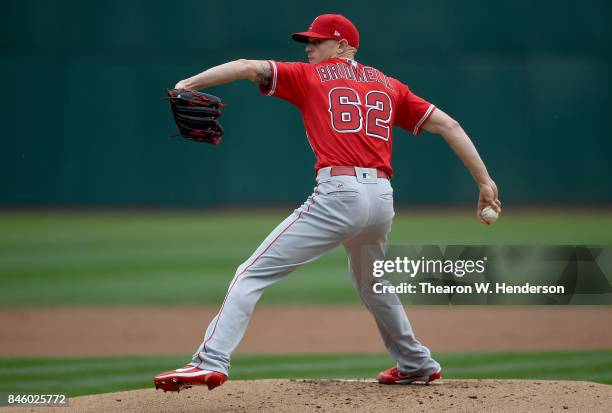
(348, 109)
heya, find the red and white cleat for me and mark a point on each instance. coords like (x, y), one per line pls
(185, 377)
(394, 376)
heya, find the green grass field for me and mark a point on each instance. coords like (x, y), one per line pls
(101, 375)
(188, 258)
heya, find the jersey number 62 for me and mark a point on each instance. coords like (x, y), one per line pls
(345, 108)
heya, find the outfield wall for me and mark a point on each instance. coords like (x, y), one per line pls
(84, 121)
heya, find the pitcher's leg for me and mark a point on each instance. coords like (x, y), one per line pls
(304, 236)
(389, 313)
(227, 328)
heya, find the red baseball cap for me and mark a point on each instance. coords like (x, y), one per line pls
(330, 26)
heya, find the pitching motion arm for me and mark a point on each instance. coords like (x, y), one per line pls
(454, 135)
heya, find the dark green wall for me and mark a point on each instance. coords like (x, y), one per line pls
(83, 120)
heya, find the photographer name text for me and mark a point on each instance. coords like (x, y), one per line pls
(476, 288)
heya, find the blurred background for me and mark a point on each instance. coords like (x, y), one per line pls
(100, 210)
(85, 123)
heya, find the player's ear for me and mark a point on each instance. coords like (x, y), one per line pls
(342, 46)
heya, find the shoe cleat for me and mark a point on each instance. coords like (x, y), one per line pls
(186, 377)
(394, 376)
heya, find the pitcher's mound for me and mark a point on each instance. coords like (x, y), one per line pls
(296, 396)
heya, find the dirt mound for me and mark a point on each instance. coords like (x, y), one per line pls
(296, 396)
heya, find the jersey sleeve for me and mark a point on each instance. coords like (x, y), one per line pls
(412, 111)
(288, 82)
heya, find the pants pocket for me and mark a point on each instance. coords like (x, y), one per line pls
(338, 188)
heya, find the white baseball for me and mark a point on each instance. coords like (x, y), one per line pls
(489, 214)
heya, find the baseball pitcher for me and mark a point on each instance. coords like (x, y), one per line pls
(348, 109)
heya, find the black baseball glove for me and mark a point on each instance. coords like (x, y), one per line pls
(196, 113)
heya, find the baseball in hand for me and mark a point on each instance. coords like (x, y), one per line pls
(489, 214)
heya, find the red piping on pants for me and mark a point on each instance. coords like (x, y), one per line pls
(249, 266)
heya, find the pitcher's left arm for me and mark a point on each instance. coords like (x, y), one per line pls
(257, 71)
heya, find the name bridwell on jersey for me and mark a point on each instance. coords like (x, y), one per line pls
(352, 71)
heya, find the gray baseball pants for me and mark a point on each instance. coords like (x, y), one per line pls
(355, 211)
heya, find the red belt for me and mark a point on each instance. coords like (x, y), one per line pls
(349, 170)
